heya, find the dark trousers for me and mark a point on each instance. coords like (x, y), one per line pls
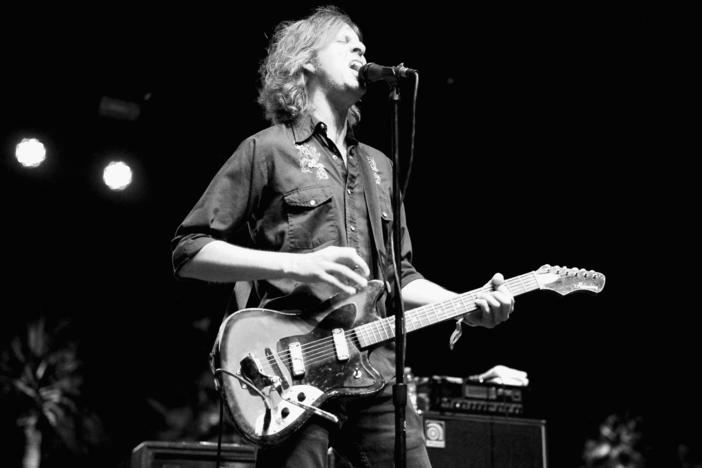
(366, 437)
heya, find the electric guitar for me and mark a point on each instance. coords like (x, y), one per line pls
(277, 368)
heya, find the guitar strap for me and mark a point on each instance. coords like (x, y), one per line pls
(375, 214)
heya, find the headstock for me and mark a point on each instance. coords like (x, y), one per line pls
(567, 280)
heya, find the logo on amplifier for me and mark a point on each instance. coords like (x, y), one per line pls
(435, 433)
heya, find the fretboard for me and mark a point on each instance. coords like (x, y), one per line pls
(384, 330)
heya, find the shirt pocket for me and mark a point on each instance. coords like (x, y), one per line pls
(311, 218)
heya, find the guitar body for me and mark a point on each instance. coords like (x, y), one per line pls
(259, 346)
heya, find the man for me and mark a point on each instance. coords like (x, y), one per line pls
(303, 210)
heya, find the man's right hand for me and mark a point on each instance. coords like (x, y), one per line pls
(340, 267)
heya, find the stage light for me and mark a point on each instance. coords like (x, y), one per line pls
(117, 175)
(30, 152)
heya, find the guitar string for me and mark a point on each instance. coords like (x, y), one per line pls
(309, 346)
(374, 329)
(324, 348)
(419, 313)
(328, 349)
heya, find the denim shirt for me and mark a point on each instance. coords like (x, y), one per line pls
(286, 189)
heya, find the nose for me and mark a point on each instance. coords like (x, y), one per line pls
(359, 48)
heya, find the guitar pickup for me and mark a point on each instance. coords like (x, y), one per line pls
(296, 360)
(340, 345)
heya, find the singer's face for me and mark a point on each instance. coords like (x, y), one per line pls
(337, 62)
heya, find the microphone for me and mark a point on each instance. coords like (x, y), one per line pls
(372, 72)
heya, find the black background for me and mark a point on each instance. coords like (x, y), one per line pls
(549, 134)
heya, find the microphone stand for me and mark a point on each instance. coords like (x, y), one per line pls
(399, 391)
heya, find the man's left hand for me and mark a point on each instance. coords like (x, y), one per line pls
(494, 307)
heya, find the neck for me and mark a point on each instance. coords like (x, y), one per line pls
(333, 114)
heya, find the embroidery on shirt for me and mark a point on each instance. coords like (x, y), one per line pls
(374, 168)
(309, 161)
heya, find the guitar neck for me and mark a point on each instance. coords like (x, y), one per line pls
(383, 330)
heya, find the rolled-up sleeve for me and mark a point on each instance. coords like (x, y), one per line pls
(224, 208)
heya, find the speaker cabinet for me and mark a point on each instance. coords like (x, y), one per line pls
(153, 454)
(477, 441)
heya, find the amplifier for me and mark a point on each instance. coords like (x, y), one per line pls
(479, 441)
(468, 405)
(442, 393)
(157, 454)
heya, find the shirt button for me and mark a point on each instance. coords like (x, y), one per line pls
(313, 202)
(348, 191)
(353, 228)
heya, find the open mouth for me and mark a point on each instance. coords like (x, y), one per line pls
(355, 65)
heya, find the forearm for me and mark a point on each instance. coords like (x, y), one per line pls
(422, 291)
(221, 262)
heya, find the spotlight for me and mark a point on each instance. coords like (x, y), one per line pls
(30, 152)
(117, 175)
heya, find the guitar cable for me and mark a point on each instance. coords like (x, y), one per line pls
(243, 380)
(250, 384)
(221, 424)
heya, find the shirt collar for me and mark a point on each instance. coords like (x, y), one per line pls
(303, 128)
(307, 125)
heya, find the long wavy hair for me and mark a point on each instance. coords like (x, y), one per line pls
(283, 92)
